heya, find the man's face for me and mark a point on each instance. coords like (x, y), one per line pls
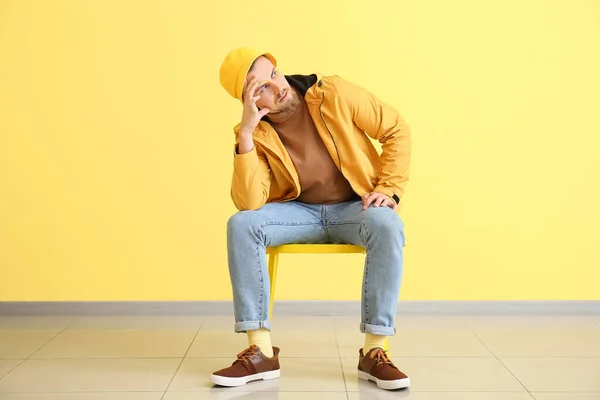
(274, 90)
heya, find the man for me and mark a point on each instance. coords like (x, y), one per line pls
(305, 171)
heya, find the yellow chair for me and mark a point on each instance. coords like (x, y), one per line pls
(274, 253)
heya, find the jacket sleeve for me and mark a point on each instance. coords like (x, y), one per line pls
(382, 122)
(251, 181)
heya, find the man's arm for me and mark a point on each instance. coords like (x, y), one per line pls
(251, 172)
(251, 181)
(383, 123)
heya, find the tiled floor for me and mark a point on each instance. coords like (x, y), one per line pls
(171, 358)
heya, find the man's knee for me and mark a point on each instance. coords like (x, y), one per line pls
(384, 221)
(242, 221)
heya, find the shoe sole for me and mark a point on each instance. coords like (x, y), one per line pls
(387, 385)
(226, 381)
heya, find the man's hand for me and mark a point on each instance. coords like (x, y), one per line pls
(251, 115)
(378, 200)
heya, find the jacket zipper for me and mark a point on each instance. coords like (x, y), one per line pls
(326, 127)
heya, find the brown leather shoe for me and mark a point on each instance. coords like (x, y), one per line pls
(377, 367)
(251, 365)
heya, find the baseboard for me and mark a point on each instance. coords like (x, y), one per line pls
(125, 308)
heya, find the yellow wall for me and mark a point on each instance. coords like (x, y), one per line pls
(116, 143)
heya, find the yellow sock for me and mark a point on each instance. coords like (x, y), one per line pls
(372, 341)
(262, 339)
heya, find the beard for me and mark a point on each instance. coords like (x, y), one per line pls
(288, 108)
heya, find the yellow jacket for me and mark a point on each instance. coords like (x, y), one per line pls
(345, 116)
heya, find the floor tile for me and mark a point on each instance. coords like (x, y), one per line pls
(7, 365)
(21, 343)
(566, 396)
(310, 344)
(420, 343)
(447, 358)
(76, 375)
(219, 322)
(504, 322)
(117, 344)
(407, 394)
(84, 396)
(55, 323)
(139, 323)
(297, 374)
(218, 343)
(236, 395)
(547, 342)
(443, 374)
(556, 375)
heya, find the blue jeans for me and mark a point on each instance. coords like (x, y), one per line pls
(378, 229)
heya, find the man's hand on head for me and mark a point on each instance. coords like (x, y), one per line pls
(251, 115)
(378, 200)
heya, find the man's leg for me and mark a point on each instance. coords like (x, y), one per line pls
(249, 233)
(381, 231)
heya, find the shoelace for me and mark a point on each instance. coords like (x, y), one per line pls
(381, 358)
(247, 354)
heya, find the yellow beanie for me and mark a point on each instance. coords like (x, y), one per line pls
(235, 67)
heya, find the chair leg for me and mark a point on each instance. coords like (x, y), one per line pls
(273, 261)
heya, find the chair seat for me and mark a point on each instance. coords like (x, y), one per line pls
(317, 248)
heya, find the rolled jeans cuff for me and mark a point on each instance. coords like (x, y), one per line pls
(243, 326)
(377, 329)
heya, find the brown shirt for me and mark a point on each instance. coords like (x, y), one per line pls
(321, 181)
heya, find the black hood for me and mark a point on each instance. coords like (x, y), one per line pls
(302, 82)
